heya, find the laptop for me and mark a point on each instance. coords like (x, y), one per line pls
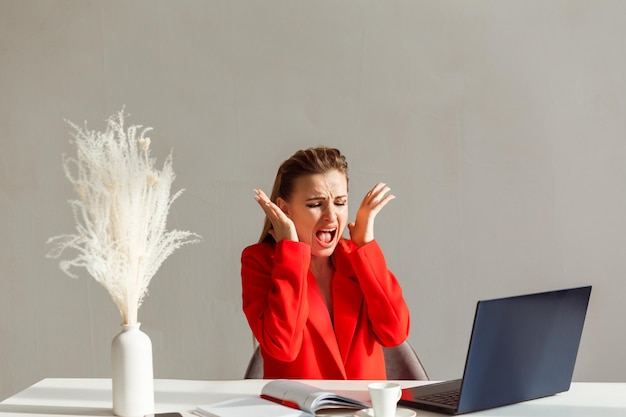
(522, 347)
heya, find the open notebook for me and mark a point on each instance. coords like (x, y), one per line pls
(281, 398)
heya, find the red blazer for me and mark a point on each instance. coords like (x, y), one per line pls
(288, 315)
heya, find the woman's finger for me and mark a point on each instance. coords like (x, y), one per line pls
(378, 196)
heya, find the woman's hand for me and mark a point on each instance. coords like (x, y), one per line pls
(362, 229)
(282, 226)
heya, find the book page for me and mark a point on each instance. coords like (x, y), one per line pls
(248, 407)
(292, 391)
(307, 397)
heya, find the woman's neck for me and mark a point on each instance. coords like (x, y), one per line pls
(321, 266)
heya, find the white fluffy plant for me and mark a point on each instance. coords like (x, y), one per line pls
(120, 213)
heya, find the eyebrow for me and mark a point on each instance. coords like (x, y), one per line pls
(316, 198)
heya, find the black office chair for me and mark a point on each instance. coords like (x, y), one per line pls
(401, 363)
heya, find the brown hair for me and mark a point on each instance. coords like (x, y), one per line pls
(309, 161)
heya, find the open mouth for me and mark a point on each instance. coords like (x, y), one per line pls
(326, 236)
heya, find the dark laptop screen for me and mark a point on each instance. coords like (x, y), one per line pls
(523, 347)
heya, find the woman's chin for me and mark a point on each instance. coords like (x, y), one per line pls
(324, 250)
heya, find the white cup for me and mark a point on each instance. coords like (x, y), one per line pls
(384, 396)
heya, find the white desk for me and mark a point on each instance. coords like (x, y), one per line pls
(92, 397)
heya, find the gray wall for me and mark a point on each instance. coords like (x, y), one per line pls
(500, 126)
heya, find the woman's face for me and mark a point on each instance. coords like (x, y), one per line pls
(319, 209)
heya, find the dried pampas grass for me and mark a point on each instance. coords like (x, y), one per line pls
(120, 213)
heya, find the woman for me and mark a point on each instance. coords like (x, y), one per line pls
(321, 306)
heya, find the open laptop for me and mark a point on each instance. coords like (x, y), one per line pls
(521, 348)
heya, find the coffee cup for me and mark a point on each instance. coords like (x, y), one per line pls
(384, 396)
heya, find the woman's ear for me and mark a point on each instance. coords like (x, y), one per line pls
(283, 205)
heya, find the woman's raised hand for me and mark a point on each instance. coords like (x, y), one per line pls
(362, 229)
(282, 226)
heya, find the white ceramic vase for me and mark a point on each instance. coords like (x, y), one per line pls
(132, 375)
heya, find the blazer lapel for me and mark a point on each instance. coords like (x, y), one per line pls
(347, 299)
(347, 303)
(319, 319)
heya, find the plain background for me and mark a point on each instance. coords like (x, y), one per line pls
(499, 125)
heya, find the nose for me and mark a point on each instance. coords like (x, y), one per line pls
(330, 212)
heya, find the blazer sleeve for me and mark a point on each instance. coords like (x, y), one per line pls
(274, 292)
(387, 310)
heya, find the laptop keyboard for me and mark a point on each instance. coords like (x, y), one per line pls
(448, 397)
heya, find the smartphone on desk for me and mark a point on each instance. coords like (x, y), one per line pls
(164, 415)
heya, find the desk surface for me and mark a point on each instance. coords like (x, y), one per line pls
(92, 397)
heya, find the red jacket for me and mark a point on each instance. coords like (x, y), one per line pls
(289, 317)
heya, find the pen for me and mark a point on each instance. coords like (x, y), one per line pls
(286, 403)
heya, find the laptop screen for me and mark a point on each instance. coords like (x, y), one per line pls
(523, 347)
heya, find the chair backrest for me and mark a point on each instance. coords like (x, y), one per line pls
(255, 366)
(401, 363)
